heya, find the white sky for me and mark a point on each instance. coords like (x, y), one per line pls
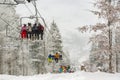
(69, 15)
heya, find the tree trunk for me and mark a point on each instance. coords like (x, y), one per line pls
(110, 48)
(1, 63)
(117, 61)
(110, 42)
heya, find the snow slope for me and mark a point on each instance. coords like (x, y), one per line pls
(66, 76)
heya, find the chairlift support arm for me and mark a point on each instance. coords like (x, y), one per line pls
(27, 17)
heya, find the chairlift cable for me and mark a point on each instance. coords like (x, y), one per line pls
(36, 14)
(7, 24)
(37, 11)
(6, 28)
(35, 8)
(44, 22)
(28, 9)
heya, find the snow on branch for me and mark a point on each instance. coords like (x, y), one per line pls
(98, 26)
(96, 13)
(99, 38)
(83, 28)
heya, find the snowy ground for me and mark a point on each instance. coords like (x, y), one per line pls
(66, 76)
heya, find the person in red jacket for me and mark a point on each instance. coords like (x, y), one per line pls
(24, 31)
(41, 30)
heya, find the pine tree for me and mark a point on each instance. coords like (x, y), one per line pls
(56, 39)
(54, 43)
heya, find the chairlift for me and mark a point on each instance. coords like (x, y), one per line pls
(31, 35)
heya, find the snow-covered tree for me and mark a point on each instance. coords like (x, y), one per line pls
(21, 56)
(117, 50)
(8, 35)
(56, 41)
(54, 44)
(108, 11)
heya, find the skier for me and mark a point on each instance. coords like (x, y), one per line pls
(34, 31)
(64, 69)
(49, 58)
(68, 68)
(60, 69)
(56, 56)
(41, 30)
(52, 56)
(29, 31)
(24, 31)
(83, 68)
(60, 57)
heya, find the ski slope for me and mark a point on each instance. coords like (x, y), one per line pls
(66, 76)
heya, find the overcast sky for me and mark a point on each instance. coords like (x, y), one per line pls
(68, 15)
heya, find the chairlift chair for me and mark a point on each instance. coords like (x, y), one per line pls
(33, 18)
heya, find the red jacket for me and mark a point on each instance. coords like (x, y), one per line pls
(41, 27)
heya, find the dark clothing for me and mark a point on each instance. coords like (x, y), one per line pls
(49, 56)
(53, 57)
(29, 31)
(60, 57)
(56, 60)
(41, 30)
(68, 68)
(29, 34)
(41, 33)
(35, 32)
